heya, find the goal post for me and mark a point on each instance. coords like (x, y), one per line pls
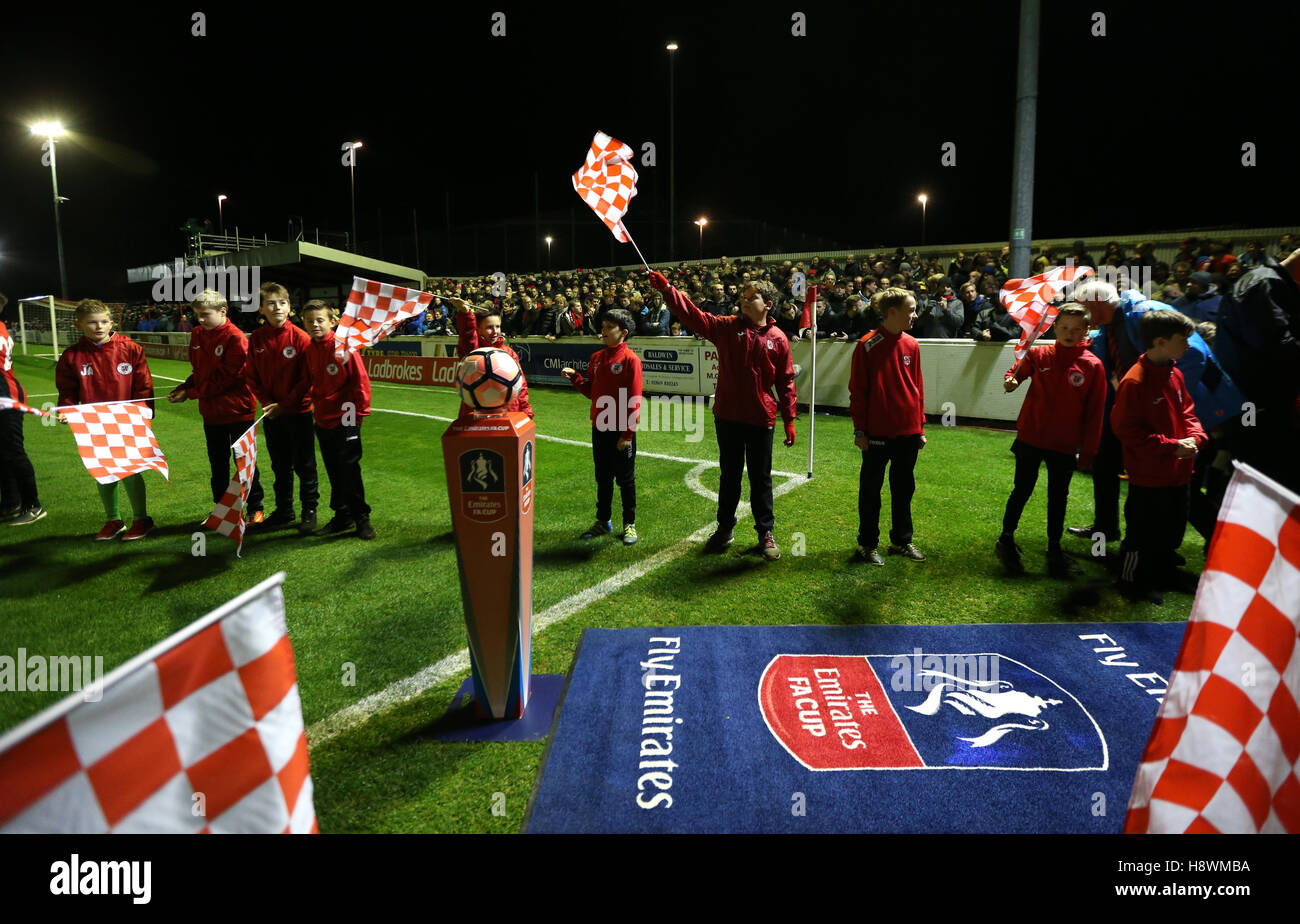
(46, 325)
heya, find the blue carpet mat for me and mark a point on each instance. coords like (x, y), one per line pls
(987, 728)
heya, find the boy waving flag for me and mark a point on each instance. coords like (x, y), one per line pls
(753, 359)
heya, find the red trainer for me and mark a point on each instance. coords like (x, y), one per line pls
(139, 529)
(259, 517)
(110, 530)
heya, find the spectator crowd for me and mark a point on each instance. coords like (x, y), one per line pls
(956, 297)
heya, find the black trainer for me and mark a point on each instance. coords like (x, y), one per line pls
(719, 541)
(1060, 564)
(871, 557)
(308, 522)
(907, 550)
(364, 529)
(1009, 554)
(28, 516)
(340, 523)
(282, 517)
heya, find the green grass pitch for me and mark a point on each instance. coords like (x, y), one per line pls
(391, 607)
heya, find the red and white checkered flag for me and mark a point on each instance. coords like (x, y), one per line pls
(607, 182)
(1224, 755)
(373, 312)
(202, 733)
(115, 440)
(9, 404)
(227, 517)
(1029, 301)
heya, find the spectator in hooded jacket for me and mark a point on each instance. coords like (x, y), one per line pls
(1201, 303)
(995, 324)
(972, 304)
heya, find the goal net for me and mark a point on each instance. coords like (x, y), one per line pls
(47, 325)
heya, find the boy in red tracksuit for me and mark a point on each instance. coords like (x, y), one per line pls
(753, 359)
(19, 504)
(1063, 413)
(615, 392)
(887, 403)
(340, 395)
(277, 375)
(218, 353)
(1155, 421)
(482, 328)
(103, 366)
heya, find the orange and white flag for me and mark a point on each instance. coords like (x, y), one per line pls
(607, 182)
(202, 733)
(373, 312)
(227, 516)
(1224, 754)
(115, 440)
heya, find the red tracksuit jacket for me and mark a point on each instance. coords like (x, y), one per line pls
(886, 392)
(615, 375)
(335, 383)
(1066, 405)
(218, 357)
(752, 361)
(277, 367)
(117, 370)
(467, 327)
(9, 387)
(1153, 411)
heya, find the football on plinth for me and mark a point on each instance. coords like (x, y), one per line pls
(488, 379)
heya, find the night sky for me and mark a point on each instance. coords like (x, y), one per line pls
(830, 136)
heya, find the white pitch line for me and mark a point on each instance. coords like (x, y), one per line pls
(569, 442)
(540, 436)
(410, 687)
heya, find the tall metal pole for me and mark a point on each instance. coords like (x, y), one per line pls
(58, 224)
(1022, 175)
(352, 177)
(672, 157)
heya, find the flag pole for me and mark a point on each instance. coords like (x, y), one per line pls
(812, 394)
(73, 407)
(633, 243)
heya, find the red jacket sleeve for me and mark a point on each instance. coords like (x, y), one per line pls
(692, 318)
(634, 398)
(255, 383)
(784, 373)
(1094, 416)
(142, 381)
(66, 380)
(859, 384)
(584, 384)
(1025, 368)
(920, 384)
(467, 327)
(1193, 424)
(1130, 427)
